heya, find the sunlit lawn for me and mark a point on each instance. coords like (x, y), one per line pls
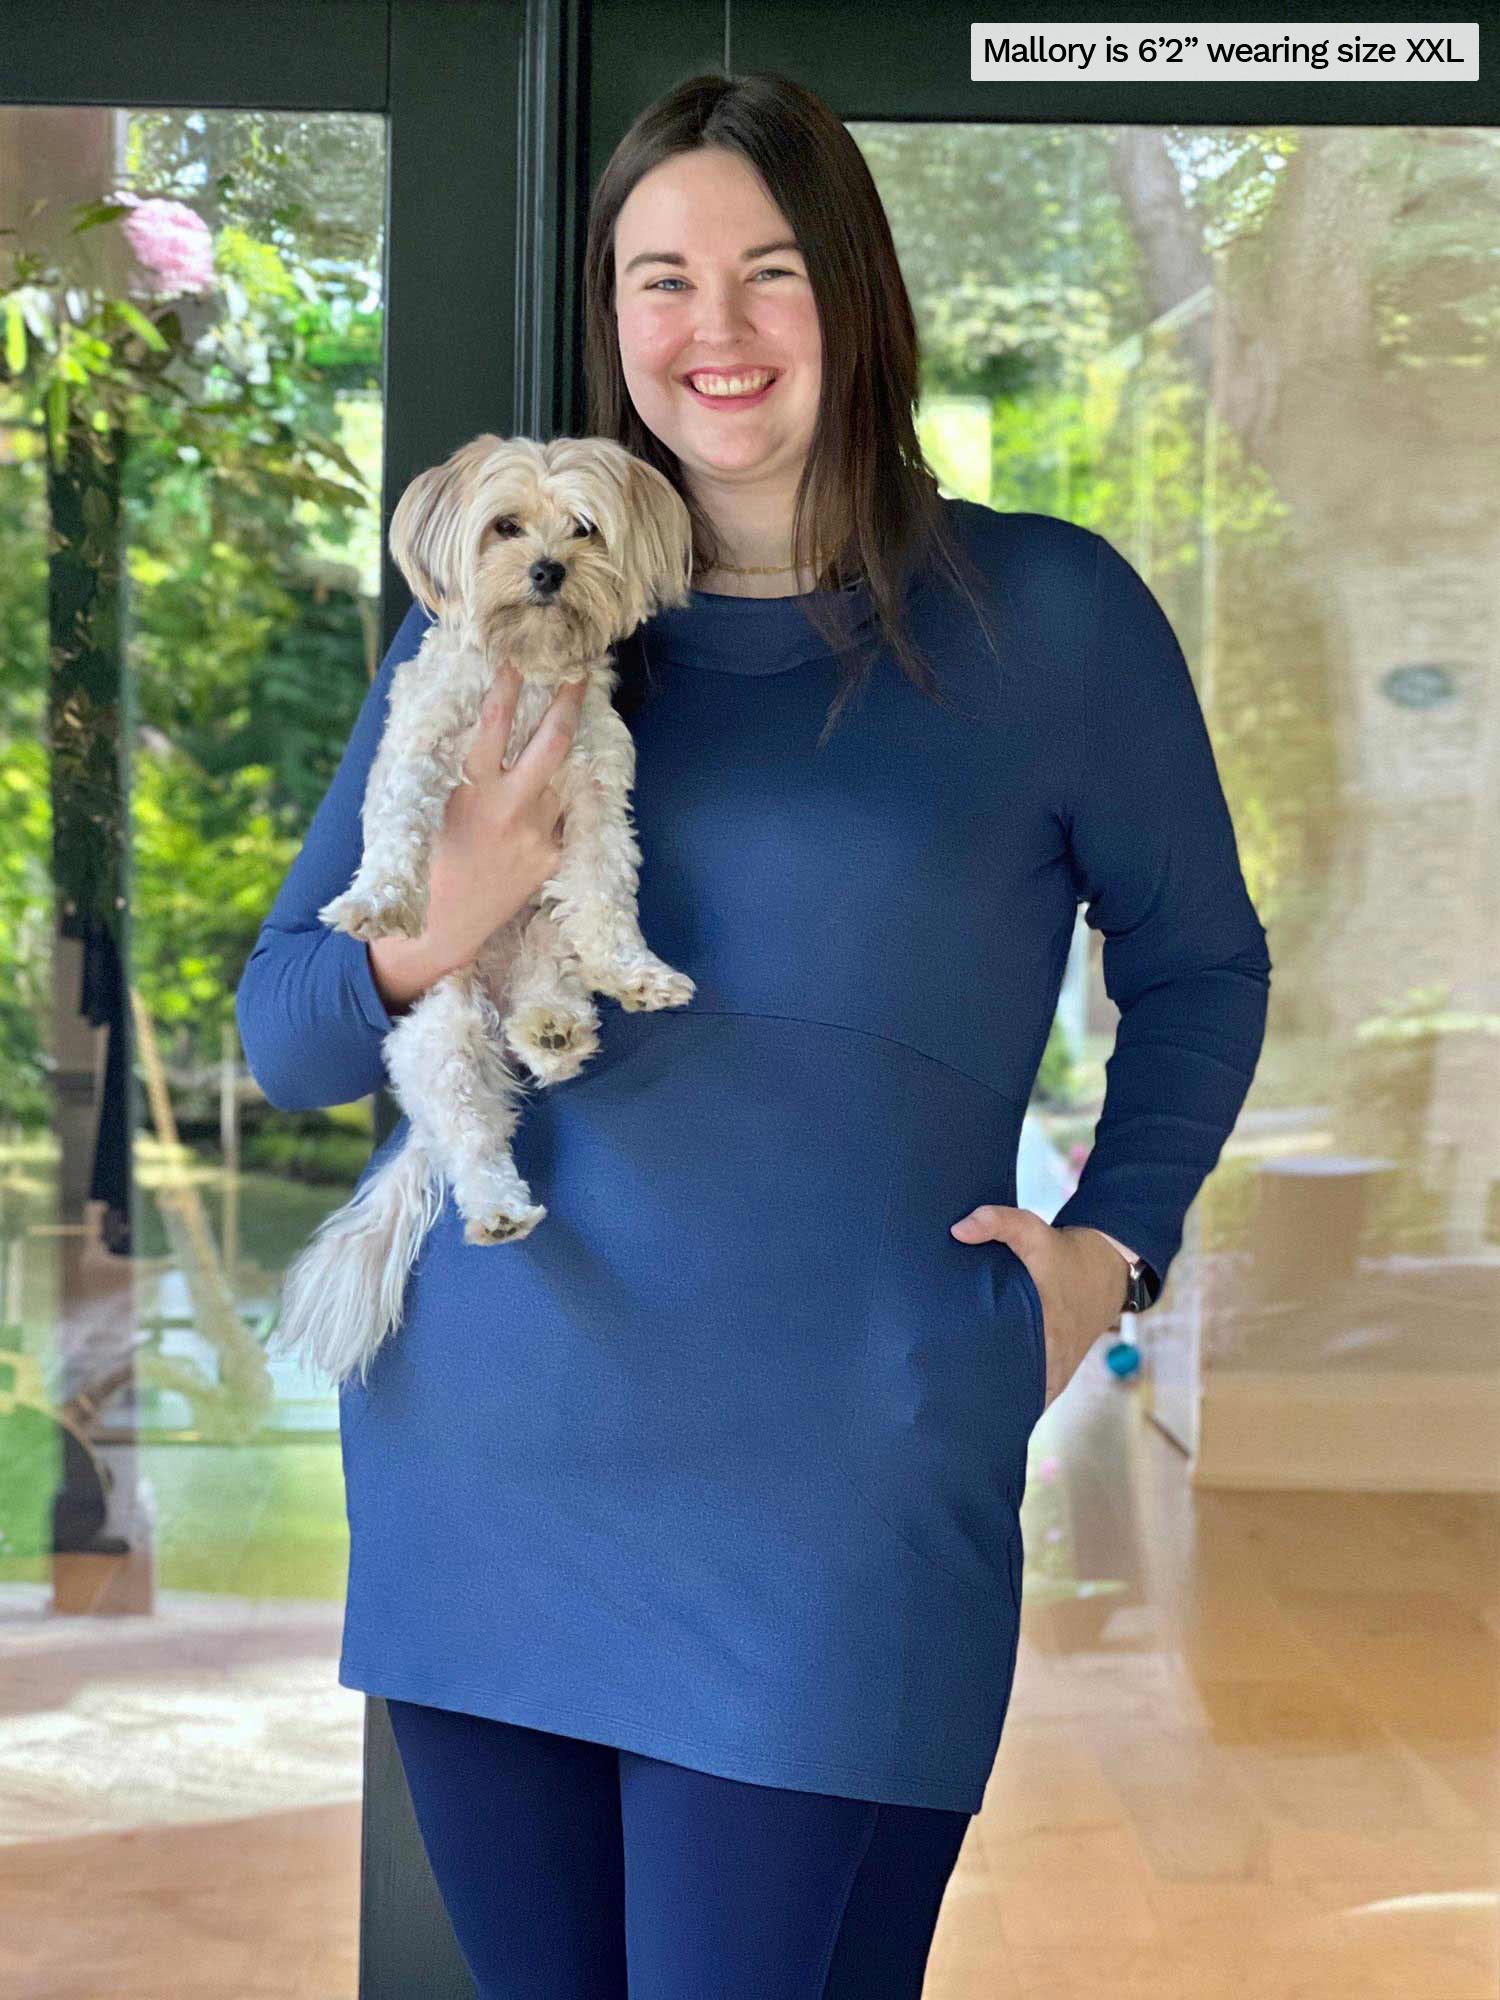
(261, 1516)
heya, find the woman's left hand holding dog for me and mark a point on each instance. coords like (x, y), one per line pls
(500, 840)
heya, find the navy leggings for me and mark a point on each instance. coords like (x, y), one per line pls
(573, 1870)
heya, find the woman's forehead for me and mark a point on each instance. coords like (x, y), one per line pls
(706, 203)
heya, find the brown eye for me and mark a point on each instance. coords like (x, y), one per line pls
(508, 526)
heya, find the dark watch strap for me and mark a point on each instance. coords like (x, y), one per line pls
(1140, 1287)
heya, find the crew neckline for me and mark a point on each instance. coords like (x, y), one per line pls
(723, 632)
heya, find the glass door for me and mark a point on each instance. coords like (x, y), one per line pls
(1215, 337)
(224, 277)
(1250, 335)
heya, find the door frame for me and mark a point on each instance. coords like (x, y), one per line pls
(498, 144)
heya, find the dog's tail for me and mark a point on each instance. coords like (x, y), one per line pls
(344, 1293)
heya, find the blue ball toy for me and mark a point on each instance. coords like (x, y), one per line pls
(1123, 1358)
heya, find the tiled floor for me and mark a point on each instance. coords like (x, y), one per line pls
(1252, 1755)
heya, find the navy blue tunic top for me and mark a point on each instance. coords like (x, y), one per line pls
(723, 1463)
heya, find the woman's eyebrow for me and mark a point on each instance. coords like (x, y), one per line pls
(675, 257)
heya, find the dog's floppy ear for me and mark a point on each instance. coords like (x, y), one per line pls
(428, 526)
(659, 544)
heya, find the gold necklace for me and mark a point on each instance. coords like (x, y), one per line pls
(754, 569)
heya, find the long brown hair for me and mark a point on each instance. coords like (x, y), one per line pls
(865, 482)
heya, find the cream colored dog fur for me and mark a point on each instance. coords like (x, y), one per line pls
(548, 555)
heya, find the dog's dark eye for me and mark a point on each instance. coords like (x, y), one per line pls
(581, 527)
(508, 526)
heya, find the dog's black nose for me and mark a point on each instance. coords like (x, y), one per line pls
(546, 575)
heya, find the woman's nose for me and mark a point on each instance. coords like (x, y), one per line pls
(722, 313)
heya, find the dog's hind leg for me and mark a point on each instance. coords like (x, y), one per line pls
(449, 1070)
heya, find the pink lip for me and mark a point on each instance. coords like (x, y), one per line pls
(730, 402)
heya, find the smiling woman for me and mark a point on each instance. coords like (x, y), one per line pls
(721, 1468)
(731, 331)
(738, 229)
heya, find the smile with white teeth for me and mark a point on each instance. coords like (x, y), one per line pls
(731, 385)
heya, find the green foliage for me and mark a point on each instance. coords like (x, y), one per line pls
(250, 537)
(25, 927)
(329, 1159)
(1056, 1072)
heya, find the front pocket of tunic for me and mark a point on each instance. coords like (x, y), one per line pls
(1033, 1298)
(950, 1377)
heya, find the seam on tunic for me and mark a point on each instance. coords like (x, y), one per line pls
(981, 1593)
(842, 1028)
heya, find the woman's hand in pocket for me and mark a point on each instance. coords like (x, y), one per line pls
(1078, 1273)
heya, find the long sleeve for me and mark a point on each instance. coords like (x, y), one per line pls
(310, 1015)
(1154, 858)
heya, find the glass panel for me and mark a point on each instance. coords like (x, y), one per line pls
(190, 445)
(1264, 364)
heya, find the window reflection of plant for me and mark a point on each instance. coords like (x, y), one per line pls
(248, 659)
(1388, 1074)
(205, 367)
(191, 391)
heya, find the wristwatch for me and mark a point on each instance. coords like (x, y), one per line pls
(1140, 1287)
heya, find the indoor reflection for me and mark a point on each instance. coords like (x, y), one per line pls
(1304, 472)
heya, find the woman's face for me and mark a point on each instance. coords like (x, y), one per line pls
(702, 306)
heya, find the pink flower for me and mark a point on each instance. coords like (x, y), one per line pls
(172, 243)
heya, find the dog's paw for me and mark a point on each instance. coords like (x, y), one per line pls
(344, 913)
(654, 987)
(553, 1043)
(387, 915)
(502, 1225)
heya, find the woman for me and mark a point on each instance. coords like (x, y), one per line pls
(685, 1539)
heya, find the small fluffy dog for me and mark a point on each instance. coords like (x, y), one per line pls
(547, 555)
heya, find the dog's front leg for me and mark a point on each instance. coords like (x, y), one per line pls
(593, 891)
(420, 761)
(550, 1018)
